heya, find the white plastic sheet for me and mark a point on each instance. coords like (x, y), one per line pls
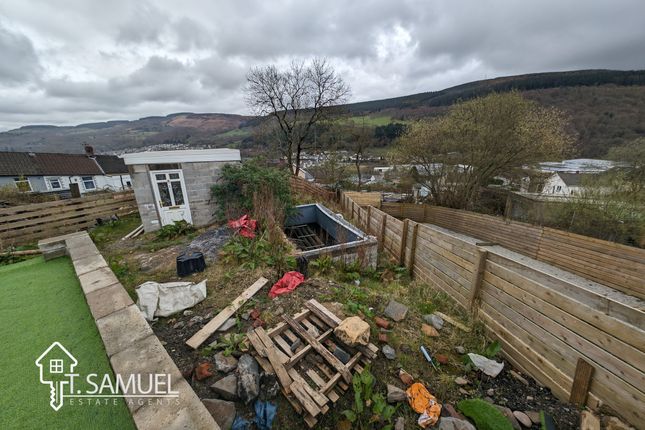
(489, 367)
(161, 300)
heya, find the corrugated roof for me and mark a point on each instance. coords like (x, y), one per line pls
(571, 179)
(42, 163)
(111, 164)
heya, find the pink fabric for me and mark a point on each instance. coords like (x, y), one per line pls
(245, 226)
(288, 282)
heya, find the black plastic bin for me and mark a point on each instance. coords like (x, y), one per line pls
(190, 262)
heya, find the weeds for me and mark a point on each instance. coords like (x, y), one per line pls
(228, 343)
(174, 230)
(370, 410)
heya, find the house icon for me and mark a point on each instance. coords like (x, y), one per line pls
(55, 366)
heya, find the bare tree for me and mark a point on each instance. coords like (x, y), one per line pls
(296, 99)
(360, 138)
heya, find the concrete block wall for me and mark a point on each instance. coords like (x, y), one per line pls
(145, 197)
(199, 178)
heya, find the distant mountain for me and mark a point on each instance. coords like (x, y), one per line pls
(606, 107)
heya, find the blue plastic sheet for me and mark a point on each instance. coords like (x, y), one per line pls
(264, 414)
(240, 424)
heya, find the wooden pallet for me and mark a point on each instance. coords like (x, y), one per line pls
(300, 353)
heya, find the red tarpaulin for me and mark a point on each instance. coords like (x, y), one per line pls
(245, 226)
(287, 283)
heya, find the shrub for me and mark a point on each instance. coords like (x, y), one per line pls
(178, 228)
(237, 185)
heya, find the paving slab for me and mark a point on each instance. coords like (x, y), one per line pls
(145, 357)
(97, 279)
(78, 241)
(84, 251)
(106, 300)
(122, 329)
(85, 265)
(186, 413)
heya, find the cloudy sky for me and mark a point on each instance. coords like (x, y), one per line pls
(72, 61)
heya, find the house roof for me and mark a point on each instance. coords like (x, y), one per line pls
(111, 164)
(44, 163)
(183, 156)
(571, 179)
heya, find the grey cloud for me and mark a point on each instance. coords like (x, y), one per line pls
(145, 24)
(19, 62)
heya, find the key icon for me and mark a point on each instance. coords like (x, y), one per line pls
(56, 364)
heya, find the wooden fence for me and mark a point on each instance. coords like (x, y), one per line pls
(614, 265)
(25, 224)
(544, 317)
(299, 185)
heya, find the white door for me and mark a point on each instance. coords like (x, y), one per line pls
(170, 194)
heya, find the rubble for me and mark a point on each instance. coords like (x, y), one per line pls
(222, 411)
(388, 352)
(461, 381)
(428, 330)
(225, 363)
(523, 418)
(435, 320)
(451, 423)
(226, 387)
(353, 331)
(248, 378)
(395, 311)
(395, 394)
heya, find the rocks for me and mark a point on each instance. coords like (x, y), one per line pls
(488, 366)
(461, 381)
(509, 414)
(269, 387)
(381, 322)
(226, 387)
(388, 352)
(450, 423)
(405, 377)
(450, 410)
(224, 363)
(179, 325)
(490, 392)
(210, 242)
(441, 358)
(382, 337)
(294, 346)
(313, 331)
(428, 330)
(197, 319)
(222, 411)
(395, 394)
(523, 418)
(188, 313)
(400, 424)
(395, 311)
(228, 324)
(460, 350)
(534, 416)
(353, 331)
(248, 378)
(434, 320)
(529, 398)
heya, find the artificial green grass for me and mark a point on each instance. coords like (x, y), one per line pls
(42, 302)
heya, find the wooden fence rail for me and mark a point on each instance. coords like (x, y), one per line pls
(25, 224)
(617, 266)
(544, 317)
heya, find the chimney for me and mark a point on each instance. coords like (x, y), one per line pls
(89, 150)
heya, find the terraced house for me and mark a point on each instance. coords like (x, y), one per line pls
(57, 173)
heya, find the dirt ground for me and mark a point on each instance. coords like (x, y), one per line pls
(365, 293)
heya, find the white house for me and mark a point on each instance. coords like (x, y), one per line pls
(54, 172)
(564, 184)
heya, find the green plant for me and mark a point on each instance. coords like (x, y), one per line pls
(237, 184)
(370, 409)
(228, 343)
(355, 308)
(174, 230)
(492, 349)
(8, 257)
(485, 415)
(322, 265)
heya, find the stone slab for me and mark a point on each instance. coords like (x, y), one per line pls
(122, 329)
(84, 251)
(97, 279)
(184, 413)
(106, 300)
(145, 357)
(85, 265)
(52, 253)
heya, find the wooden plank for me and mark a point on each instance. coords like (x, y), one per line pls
(200, 337)
(588, 421)
(272, 355)
(304, 398)
(413, 246)
(320, 399)
(453, 321)
(319, 348)
(381, 238)
(581, 383)
(478, 275)
(404, 239)
(336, 378)
(306, 349)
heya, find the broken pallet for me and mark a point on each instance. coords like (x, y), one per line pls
(299, 351)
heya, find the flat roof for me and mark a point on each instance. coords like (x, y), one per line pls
(182, 156)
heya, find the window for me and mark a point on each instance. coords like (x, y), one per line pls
(559, 188)
(54, 183)
(88, 182)
(55, 366)
(22, 184)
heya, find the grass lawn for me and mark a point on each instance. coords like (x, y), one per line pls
(42, 302)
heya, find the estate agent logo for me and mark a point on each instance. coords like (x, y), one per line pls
(56, 366)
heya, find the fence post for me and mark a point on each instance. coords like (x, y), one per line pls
(352, 216)
(508, 209)
(413, 248)
(478, 275)
(425, 213)
(404, 239)
(381, 244)
(369, 219)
